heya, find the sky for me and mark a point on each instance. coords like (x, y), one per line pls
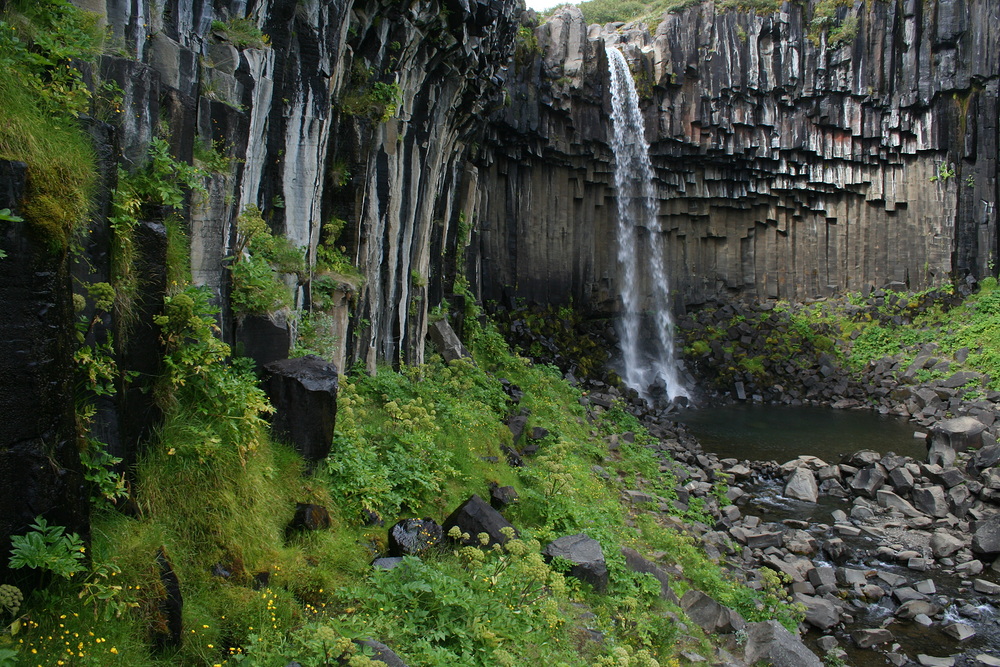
(544, 4)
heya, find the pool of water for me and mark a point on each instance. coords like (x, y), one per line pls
(782, 433)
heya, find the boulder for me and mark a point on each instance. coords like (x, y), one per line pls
(412, 537)
(769, 642)
(986, 457)
(502, 496)
(447, 341)
(381, 652)
(820, 613)
(891, 500)
(959, 631)
(476, 516)
(309, 516)
(931, 500)
(802, 485)
(868, 481)
(303, 392)
(986, 537)
(586, 555)
(709, 615)
(944, 544)
(960, 433)
(635, 562)
(871, 637)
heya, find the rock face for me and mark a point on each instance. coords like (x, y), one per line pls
(40, 469)
(790, 161)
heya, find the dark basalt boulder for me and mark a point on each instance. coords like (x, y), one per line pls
(475, 516)
(412, 537)
(502, 496)
(381, 652)
(447, 341)
(586, 555)
(768, 642)
(309, 516)
(711, 616)
(304, 394)
(168, 624)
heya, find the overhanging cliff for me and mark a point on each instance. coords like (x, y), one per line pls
(795, 157)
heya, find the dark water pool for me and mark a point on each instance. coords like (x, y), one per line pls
(782, 433)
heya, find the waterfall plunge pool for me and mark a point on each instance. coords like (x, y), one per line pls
(782, 433)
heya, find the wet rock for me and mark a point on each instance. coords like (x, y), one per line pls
(771, 643)
(889, 499)
(960, 631)
(986, 660)
(709, 615)
(412, 537)
(871, 637)
(932, 661)
(475, 517)
(912, 608)
(304, 394)
(802, 485)
(586, 555)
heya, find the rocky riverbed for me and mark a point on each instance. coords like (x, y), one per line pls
(893, 559)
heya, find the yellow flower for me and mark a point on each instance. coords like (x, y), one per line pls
(114, 650)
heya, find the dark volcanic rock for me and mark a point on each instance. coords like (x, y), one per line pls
(381, 652)
(635, 562)
(960, 433)
(986, 537)
(412, 537)
(711, 616)
(309, 516)
(304, 394)
(586, 555)
(447, 341)
(475, 516)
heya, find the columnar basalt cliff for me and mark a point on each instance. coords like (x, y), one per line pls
(795, 157)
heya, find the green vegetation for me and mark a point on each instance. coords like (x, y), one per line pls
(259, 260)
(43, 94)
(824, 20)
(215, 494)
(243, 33)
(368, 98)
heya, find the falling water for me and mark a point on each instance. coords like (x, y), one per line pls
(647, 361)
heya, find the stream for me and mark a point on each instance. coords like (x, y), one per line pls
(781, 434)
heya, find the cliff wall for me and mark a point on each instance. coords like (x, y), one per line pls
(796, 156)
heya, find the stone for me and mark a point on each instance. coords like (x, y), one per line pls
(412, 537)
(380, 652)
(871, 637)
(986, 457)
(303, 392)
(913, 608)
(867, 481)
(945, 544)
(309, 516)
(769, 642)
(986, 660)
(586, 555)
(822, 576)
(959, 631)
(901, 480)
(932, 661)
(891, 500)
(447, 341)
(476, 516)
(802, 485)
(960, 433)
(168, 619)
(709, 615)
(931, 500)
(986, 587)
(387, 563)
(635, 562)
(502, 496)
(820, 613)
(986, 537)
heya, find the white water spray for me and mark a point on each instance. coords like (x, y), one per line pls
(647, 361)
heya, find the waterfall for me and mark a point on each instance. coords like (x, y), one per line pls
(648, 363)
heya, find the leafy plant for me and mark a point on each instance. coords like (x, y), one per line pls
(48, 548)
(315, 336)
(258, 259)
(243, 33)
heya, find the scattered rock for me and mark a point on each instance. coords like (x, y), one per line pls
(771, 643)
(474, 517)
(802, 485)
(586, 555)
(412, 537)
(381, 652)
